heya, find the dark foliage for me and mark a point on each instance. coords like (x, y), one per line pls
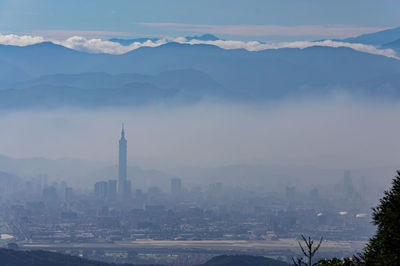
(355, 261)
(384, 247)
(10, 257)
(243, 260)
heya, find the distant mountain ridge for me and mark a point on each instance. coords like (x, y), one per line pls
(127, 42)
(377, 38)
(50, 76)
(8, 179)
(102, 89)
(387, 39)
(75, 171)
(204, 37)
(84, 173)
(394, 45)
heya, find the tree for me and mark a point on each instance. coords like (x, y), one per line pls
(309, 251)
(384, 247)
(355, 261)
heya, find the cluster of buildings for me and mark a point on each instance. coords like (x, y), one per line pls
(121, 190)
(111, 190)
(113, 213)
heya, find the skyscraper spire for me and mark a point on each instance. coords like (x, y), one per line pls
(122, 169)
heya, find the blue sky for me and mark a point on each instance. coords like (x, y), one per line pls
(263, 19)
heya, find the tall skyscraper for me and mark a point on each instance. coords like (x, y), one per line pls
(122, 173)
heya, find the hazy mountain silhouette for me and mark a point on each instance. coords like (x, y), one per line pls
(103, 89)
(82, 172)
(7, 178)
(205, 37)
(127, 42)
(181, 73)
(50, 96)
(395, 45)
(48, 58)
(10, 73)
(377, 38)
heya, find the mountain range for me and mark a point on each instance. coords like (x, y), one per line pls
(49, 75)
(387, 39)
(377, 38)
(77, 172)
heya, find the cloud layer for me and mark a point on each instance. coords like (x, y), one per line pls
(104, 46)
(20, 40)
(97, 45)
(257, 46)
(334, 133)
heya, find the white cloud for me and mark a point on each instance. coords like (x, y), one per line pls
(257, 46)
(97, 45)
(79, 43)
(20, 40)
(104, 46)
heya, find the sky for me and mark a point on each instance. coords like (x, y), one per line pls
(236, 19)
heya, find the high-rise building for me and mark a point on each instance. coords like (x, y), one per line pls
(112, 189)
(127, 189)
(100, 189)
(122, 172)
(176, 186)
(50, 197)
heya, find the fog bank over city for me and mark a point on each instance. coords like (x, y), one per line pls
(335, 133)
